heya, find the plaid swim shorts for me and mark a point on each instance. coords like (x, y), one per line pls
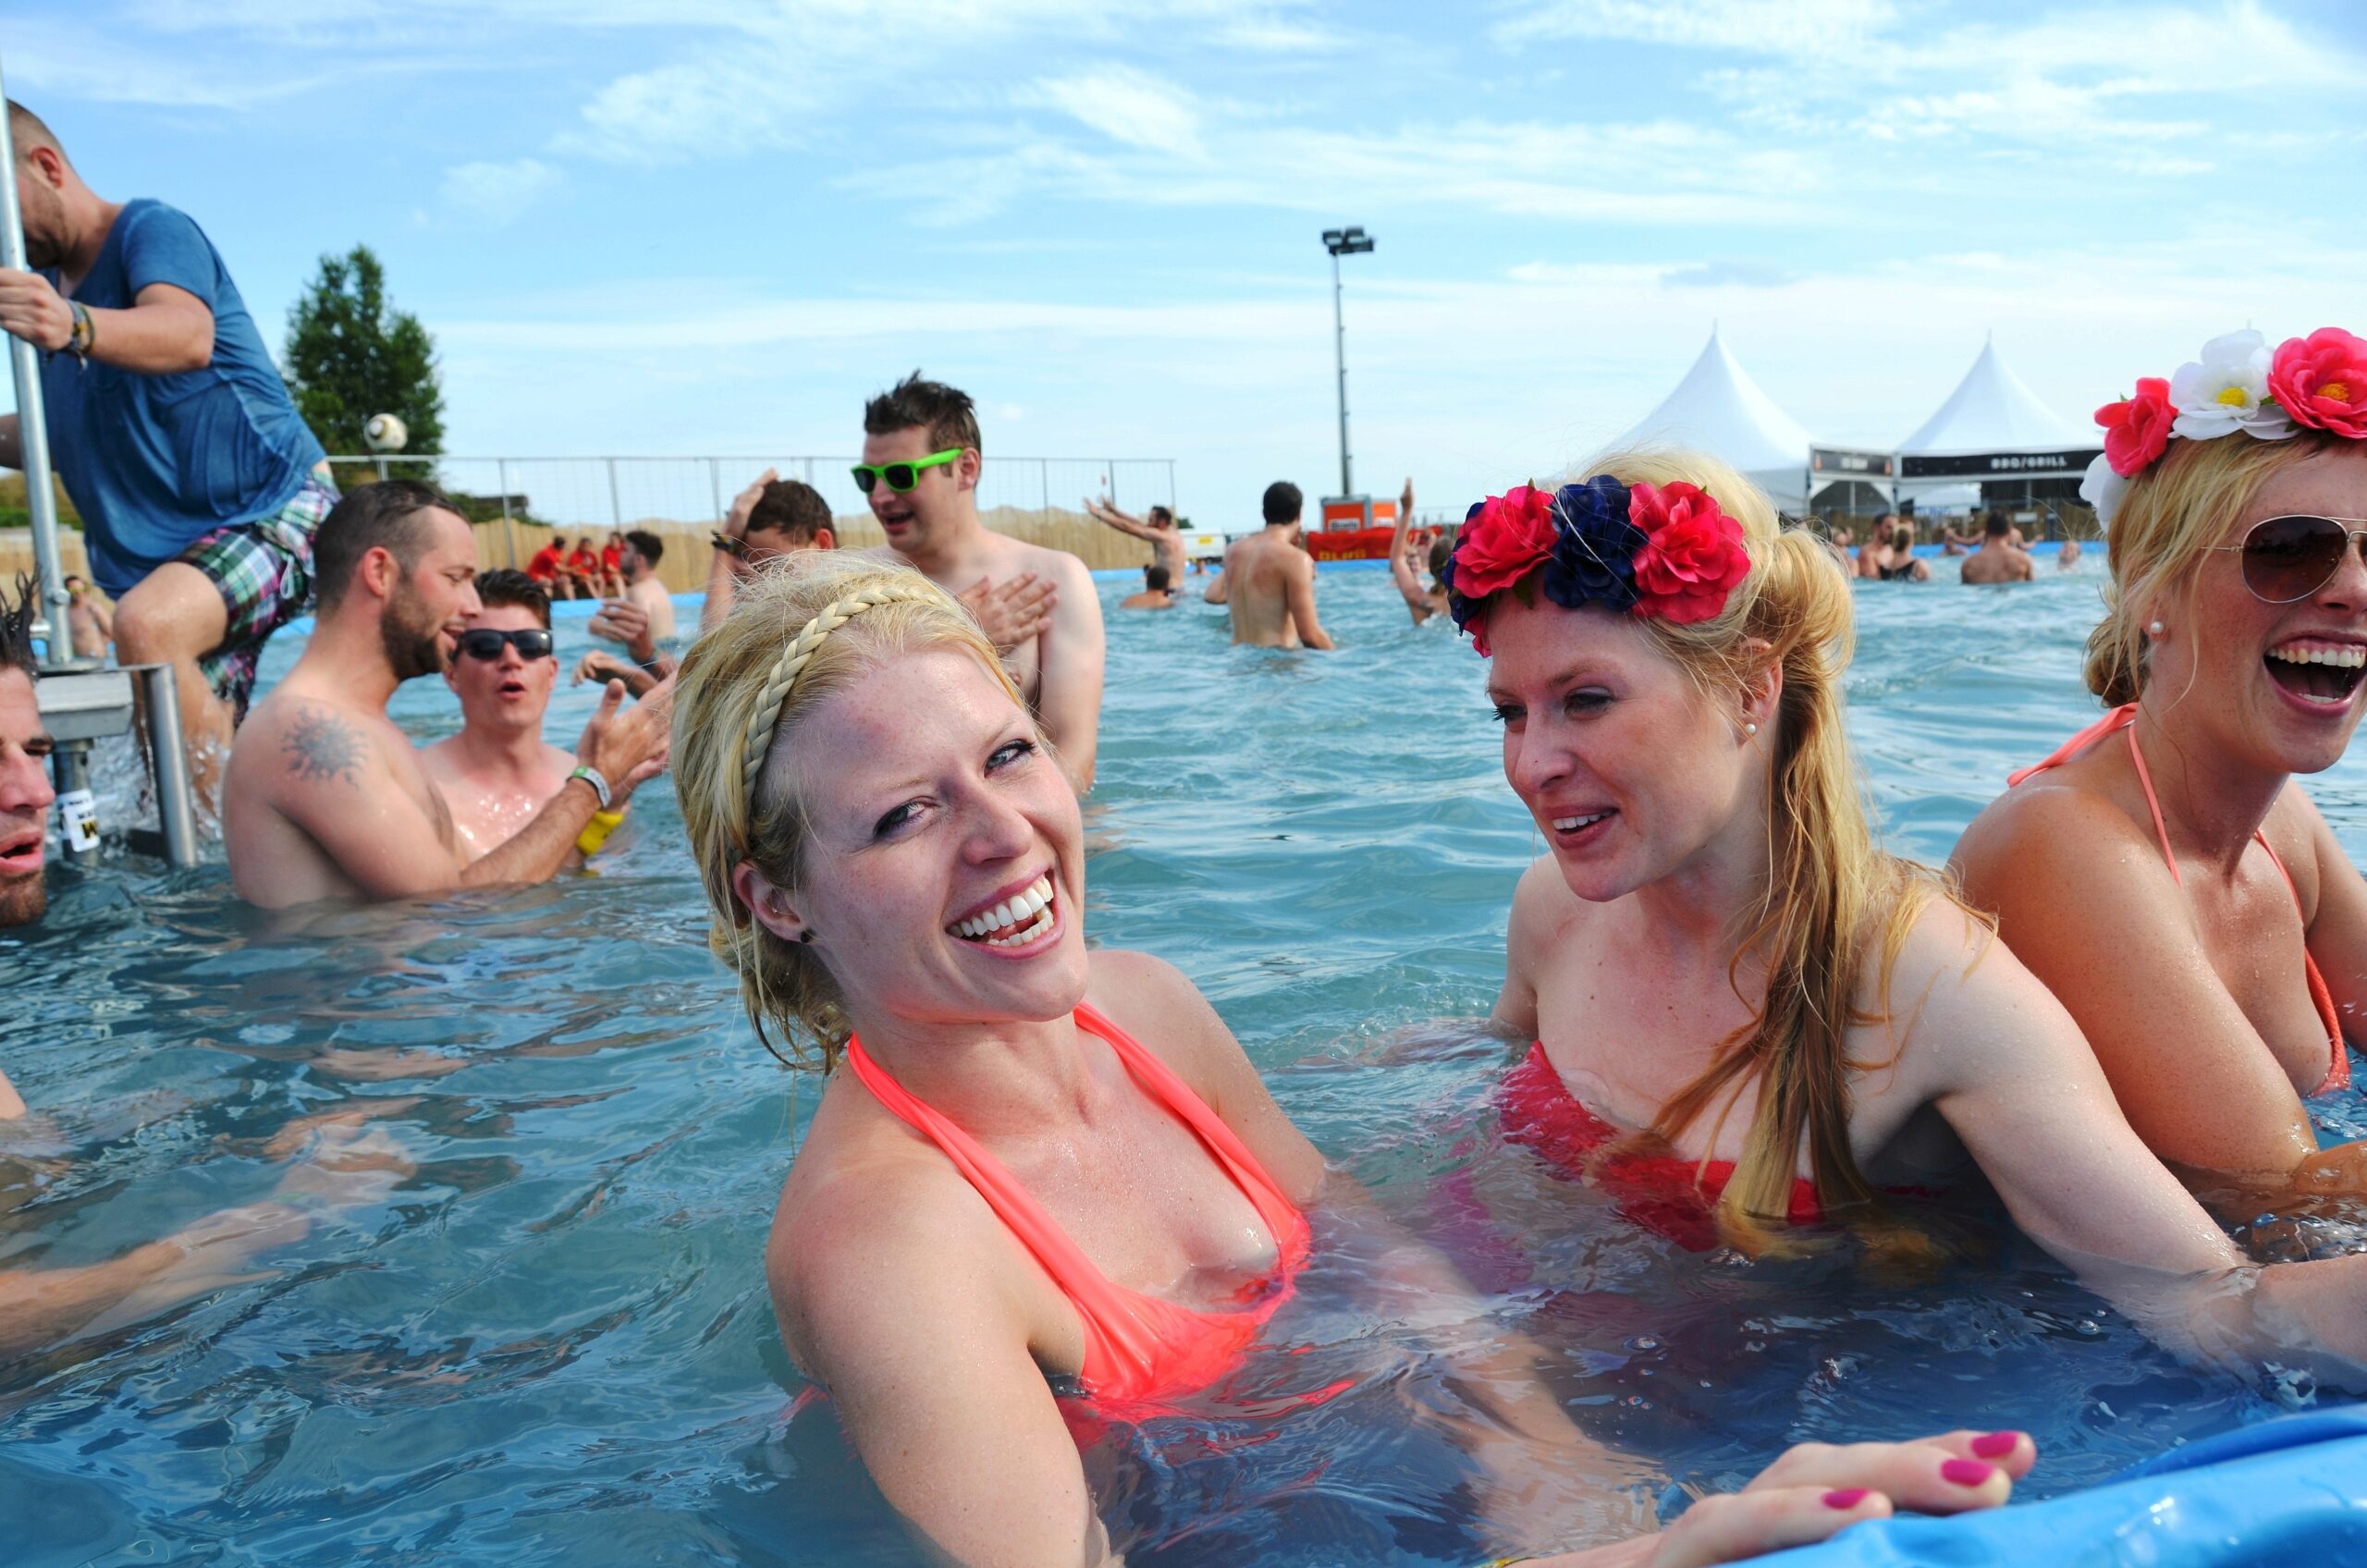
(263, 571)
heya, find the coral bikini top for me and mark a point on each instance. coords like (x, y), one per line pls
(1139, 1349)
(2125, 718)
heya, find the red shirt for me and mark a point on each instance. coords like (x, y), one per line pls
(584, 563)
(543, 567)
(612, 557)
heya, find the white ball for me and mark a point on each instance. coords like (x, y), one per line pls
(385, 433)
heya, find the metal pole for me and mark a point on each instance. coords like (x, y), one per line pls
(616, 507)
(508, 524)
(1339, 358)
(715, 486)
(165, 755)
(32, 434)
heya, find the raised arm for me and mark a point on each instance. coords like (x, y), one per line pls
(1068, 702)
(2084, 901)
(627, 749)
(1401, 564)
(1103, 512)
(1301, 602)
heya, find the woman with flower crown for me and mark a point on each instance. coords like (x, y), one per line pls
(2162, 872)
(1736, 1000)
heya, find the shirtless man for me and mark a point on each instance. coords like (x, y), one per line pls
(89, 622)
(1159, 592)
(326, 798)
(920, 467)
(25, 794)
(1269, 580)
(641, 618)
(497, 773)
(1408, 544)
(1997, 561)
(1160, 532)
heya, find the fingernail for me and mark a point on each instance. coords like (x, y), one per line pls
(1996, 1445)
(1966, 1472)
(1845, 1500)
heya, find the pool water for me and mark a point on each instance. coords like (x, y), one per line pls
(551, 1342)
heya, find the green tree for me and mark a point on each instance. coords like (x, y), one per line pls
(351, 354)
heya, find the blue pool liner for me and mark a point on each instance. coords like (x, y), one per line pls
(2280, 1494)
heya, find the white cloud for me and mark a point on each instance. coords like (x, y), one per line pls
(499, 191)
(1759, 27)
(1126, 105)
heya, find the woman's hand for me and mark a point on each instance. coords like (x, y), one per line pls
(1815, 1490)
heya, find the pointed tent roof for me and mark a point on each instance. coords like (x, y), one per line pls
(1993, 410)
(1720, 410)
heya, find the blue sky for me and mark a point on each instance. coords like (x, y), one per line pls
(699, 226)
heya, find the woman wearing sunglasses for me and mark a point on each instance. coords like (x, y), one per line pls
(2162, 871)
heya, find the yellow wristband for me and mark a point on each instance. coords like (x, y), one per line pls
(595, 832)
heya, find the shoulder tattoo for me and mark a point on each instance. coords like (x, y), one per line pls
(321, 746)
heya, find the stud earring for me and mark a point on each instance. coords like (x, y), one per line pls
(807, 935)
(1751, 728)
(2158, 629)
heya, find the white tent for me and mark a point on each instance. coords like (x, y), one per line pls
(1720, 410)
(1992, 410)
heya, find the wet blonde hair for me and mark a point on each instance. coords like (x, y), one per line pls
(806, 627)
(1835, 902)
(2173, 513)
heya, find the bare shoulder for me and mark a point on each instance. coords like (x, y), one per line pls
(292, 743)
(1152, 1000)
(1059, 566)
(865, 1210)
(1543, 905)
(2047, 827)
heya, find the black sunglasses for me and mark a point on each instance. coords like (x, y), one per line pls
(483, 643)
(2288, 558)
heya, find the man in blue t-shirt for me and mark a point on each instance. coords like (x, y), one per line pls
(172, 430)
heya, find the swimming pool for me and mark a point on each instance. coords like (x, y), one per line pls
(552, 1342)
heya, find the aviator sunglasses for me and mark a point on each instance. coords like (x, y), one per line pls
(2288, 558)
(901, 477)
(483, 643)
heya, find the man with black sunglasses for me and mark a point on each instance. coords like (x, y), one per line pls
(498, 771)
(921, 461)
(327, 798)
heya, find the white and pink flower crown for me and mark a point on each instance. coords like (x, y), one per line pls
(2319, 381)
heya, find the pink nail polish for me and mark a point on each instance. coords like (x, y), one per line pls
(1845, 1500)
(1966, 1472)
(1996, 1445)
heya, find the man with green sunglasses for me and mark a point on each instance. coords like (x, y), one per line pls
(920, 467)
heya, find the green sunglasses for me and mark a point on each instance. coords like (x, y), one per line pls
(901, 477)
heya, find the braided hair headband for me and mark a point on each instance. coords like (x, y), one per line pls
(757, 740)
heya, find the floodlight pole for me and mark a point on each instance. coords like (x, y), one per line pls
(1343, 242)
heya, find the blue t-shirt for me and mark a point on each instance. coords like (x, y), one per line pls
(157, 463)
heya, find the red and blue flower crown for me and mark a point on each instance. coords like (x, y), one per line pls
(1667, 552)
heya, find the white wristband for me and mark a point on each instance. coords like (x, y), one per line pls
(591, 776)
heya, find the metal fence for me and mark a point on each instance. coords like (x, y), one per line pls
(600, 494)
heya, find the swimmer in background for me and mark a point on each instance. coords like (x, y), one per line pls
(1157, 595)
(895, 870)
(2068, 556)
(1160, 532)
(641, 619)
(1409, 544)
(1897, 562)
(1999, 559)
(327, 798)
(1269, 582)
(499, 773)
(2164, 872)
(921, 461)
(88, 620)
(1715, 957)
(1872, 554)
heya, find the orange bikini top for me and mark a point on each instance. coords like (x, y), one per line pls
(1138, 1349)
(2125, 718)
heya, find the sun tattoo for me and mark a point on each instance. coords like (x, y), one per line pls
(319, 746)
